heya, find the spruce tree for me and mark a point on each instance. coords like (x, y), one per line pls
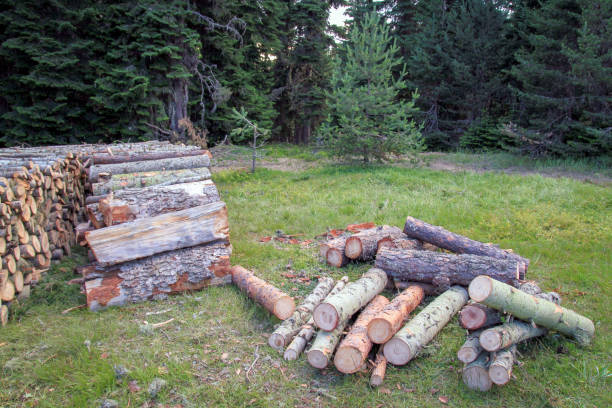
(366, 118)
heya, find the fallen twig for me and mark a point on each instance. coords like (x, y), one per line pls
(253, 363)
(70, 309)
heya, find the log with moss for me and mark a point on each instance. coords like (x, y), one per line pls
(501, 296)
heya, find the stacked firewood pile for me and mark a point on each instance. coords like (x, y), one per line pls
(345, 321)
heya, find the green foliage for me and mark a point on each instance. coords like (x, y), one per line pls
(485, 134)
(366, 118)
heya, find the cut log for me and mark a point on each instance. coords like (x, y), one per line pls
(428, 289)
(99, 159)
(507, 334)
(4, 315)
(501, 296)
(157, 276)
(419, 331)
(320, 353)
(178, 163)
(384, 325)
(364, 244)
(380, 368)
(442, 269)
(458, 243)
(139, 180)
(17, 279)
(340, 307)
(476, 316)
(500, 369)
(148, 236)
(355, 347)
(471, 349)
(283, 335)
(403, 243)
(476, 374)
(272, 299)
(334, 252)
(7, 291)
(299, 342)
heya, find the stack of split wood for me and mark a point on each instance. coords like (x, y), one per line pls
(156, 225)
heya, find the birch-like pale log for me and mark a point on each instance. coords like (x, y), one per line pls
(148, 236)
(471, 349)
(419, 331)
(99, 159)
(285, 332)
(299, 342)
(384, 325)
(320, 353)
(476, 374)
(364, 244)
(355, 347)
(340, 307)
(152, 178)
(507, 334)
(500, 369)
(176, 163)
(271, 298)
(503, 297)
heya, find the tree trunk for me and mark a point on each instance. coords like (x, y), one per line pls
(283, 335)
(419, 331)
(476, 316)
(384, 325)
(178, 163)
(471, 349)
(299, 342)
(500, 369)
(166, 232)
(458, 243)
(340, 307)
(380, 367)
(443, 269)
(476, 374)
(99, 159)
(363, 245)
(161, 178)
(324, 345)
(505, 335)
(355, 347)
(526, 307)
(272, 299)
(157, 276)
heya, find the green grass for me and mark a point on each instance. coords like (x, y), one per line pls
(564, 226)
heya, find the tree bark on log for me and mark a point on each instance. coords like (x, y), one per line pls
(457, 243)
(507, 334)
(272, 299)
(355, 347)
(179, 163)
(471, 349)
(405, 243)
(99, 159)
(501, 296)
(157, 276)
(298, 344)
(149, 236)
(323, 346)
(147, 179)
(380, 368)
(476, 374)
(283, 335)
(428, 289)
(475, 316)
(364, 244)
(328, 314)
(500, 369)
(419, 331)
(443, 269)
(384, 325)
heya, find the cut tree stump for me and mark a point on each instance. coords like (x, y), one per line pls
(384, 325)
(476, 374)
(500, 369)
(507, 334)
(444, 270)
(149, 236)
(283, 335)
(364, 244)
(380, 368)
(501, 296)
(355, 347)
(419, 331)
(340, 307)
(298, 344)
(471, 349)
(272, 299)
(176, 163)
(442, 238)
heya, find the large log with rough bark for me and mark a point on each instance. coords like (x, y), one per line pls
(442, 238)
(152, 178)
(157, 276)
(285, 332)
(442, 269)
(271, 298)
(176, 163)
(148, 236)
(364, 244)
(385, 324)
(476, 374)
(507, 334)
(501, 296)
(420, 330)
(353, 351)
(299, 342)
(340, 307)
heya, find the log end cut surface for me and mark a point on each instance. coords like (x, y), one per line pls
(380, 331)
(276, 341)
(477, 378)
(326, 317)
(397, 352)
(490, 340)
(348, 360)
(480, 288)
(472, 317)
(467, 355)
(499, 375)
(353, 247)
(317, 359)
(335, 257)
(284, 308)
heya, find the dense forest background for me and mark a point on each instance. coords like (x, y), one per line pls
(530, 76)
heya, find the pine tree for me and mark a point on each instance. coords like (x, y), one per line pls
(366, 119)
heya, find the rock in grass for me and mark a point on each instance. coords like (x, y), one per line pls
(120, 371)
(109, 403)
(155, 387)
